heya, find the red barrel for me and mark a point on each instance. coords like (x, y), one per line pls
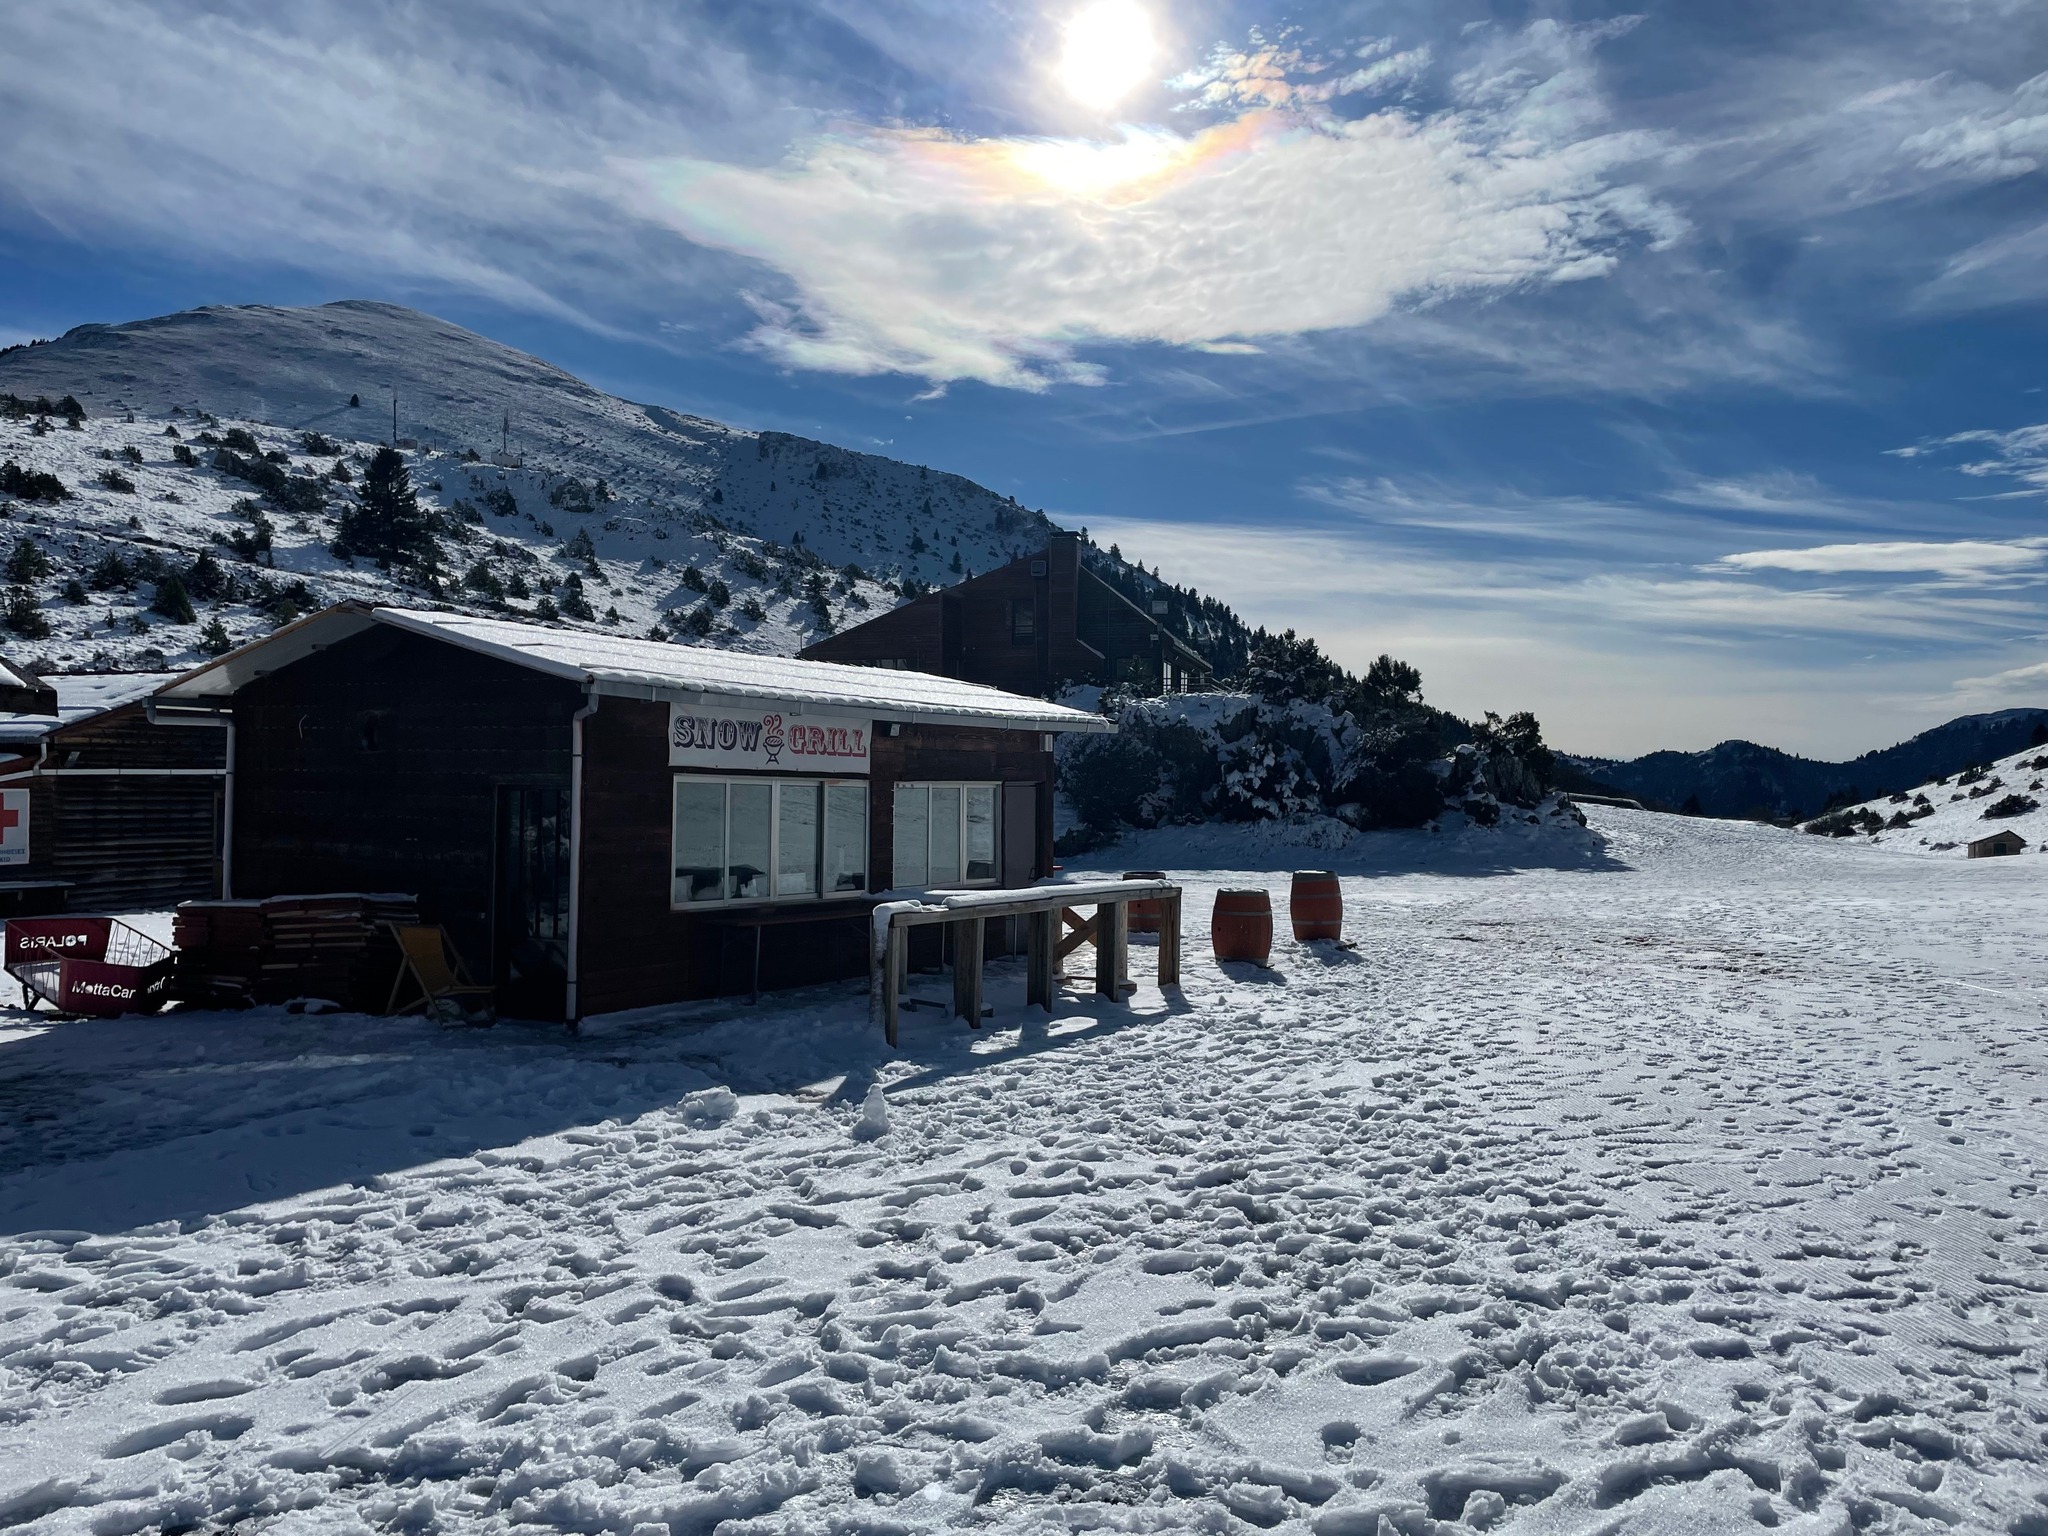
(1143, 916)
(1241, 927)
(1316, 904)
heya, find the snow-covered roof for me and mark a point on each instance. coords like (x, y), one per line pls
(79, 695)
(650, 669)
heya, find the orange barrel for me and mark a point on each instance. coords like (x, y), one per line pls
(1143, 916)
(1241, 927)
(1317, 905)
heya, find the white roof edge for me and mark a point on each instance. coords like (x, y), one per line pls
(221, 678)
(400, 618)
(1074, 720)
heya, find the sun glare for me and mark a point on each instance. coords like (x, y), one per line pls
(1107, 53)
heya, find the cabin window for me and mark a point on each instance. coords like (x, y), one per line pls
(945, 834)
(1023, 621)
(767, 839)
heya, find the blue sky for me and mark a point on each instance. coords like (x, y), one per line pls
(1674, 371)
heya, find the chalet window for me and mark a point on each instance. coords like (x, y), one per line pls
(1023, 621)
(945, 834)
(768, 839)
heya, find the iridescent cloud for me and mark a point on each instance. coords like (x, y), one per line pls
(999, 259)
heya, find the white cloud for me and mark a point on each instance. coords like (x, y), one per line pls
(2009, 139)
(2021, 454)
(997, 259)
(1960, 559)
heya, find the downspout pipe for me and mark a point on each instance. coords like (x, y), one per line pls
(572, 1003)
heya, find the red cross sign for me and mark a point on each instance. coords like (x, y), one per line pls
(13, 826)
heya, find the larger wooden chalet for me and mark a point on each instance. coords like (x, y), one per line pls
(1031, 626)
(606, 823)
(101, 808)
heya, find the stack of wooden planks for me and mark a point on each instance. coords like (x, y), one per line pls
(233, 953)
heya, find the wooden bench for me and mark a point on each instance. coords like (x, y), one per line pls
(1046, 909)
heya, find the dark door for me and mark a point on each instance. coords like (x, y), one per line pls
(1020, 834)
(530, 923)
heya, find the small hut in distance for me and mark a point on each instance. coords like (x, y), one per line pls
(1998, 845)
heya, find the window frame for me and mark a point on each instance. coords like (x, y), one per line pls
(823, 786)
(995, 788)
(1026, 609)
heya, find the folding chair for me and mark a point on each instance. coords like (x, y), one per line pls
(425, 954)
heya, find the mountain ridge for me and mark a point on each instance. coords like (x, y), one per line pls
(662, 521)
(1738, 778)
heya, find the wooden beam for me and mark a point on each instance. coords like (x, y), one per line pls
(1112, 945)
(1084, 933)
(967, 952)
(896, 955)
(1169, 941)
(1041, 965)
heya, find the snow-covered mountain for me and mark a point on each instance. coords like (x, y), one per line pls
(1945, 815)
(1743, 779)
(710, 532)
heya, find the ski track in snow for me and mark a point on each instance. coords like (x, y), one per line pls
(1688, 1183)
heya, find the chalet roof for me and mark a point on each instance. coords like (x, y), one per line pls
(623, 667)
(80, 695)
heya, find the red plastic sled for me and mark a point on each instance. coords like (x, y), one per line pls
(98, 966)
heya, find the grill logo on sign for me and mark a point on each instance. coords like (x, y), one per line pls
(819, 744)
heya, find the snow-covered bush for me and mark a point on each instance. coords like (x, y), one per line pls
(1300, 737)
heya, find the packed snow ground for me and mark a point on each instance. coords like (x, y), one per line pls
(1680, 1176)
(1945, 816)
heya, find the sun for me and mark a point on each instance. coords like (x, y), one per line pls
(1107, 52)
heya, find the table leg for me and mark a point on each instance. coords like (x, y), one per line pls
(894, 960)
(1169, 941)
(1112, 942)
(1041, 962)
(967, 948)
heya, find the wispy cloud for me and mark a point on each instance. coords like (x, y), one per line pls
(1001, 259)
(1959, 560)
(2021, 454)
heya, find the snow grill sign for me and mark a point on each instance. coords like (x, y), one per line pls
(767, 739)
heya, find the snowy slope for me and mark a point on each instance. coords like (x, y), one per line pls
(1689, 1182)
(756, 511)
(1945, 815)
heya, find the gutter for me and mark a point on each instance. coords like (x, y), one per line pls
(572, 1001)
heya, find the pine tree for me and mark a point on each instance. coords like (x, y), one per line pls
(214, 639)
(172, 601)
(28, 562)
(387, 525)
(24, 615)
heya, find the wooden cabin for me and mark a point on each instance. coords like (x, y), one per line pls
(605, 823)
(101, 808)
(1998, 845)
(1032, 627)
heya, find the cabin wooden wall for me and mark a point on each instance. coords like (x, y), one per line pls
(374, 766)
(134, 841)
(1086, 631)
(637, 952)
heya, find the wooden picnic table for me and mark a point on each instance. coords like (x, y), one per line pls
(1046, 908)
